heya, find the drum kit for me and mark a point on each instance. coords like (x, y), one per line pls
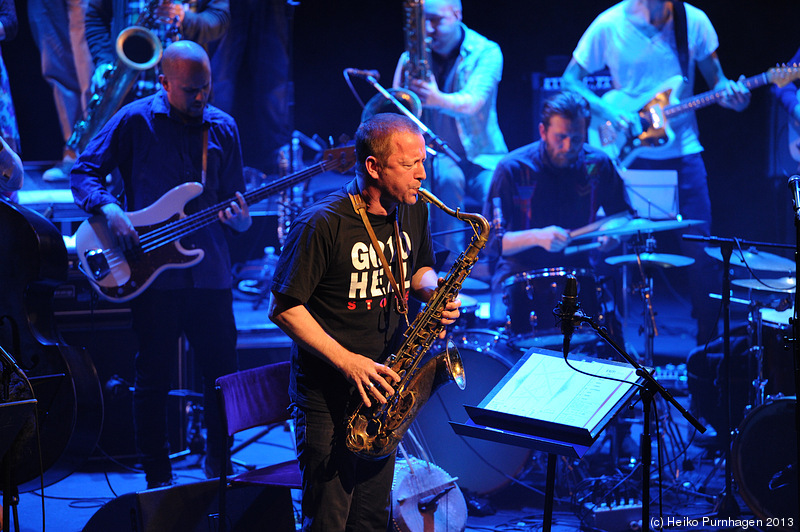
(484, 467)
(763, 453)
(531, 296)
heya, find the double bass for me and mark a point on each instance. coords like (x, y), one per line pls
(33, 262)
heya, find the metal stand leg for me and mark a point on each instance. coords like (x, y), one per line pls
(549, 492)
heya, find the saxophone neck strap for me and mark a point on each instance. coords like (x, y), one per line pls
(400, 293)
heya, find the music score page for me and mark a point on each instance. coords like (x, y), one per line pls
(547, 389)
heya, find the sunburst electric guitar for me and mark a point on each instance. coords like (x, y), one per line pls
(653, 132)
(119, 276)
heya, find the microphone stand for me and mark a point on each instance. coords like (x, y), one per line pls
(795, 331)
(650, 389)
(436, 139)
(796, 353)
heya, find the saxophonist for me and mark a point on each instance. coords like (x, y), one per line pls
(105, 19)
(459, 101)
(343, 304)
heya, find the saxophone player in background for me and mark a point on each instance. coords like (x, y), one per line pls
(331, 296)
(105, 19)
(459, 99)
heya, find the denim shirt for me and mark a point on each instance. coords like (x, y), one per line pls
(473, 94)
(155, 150)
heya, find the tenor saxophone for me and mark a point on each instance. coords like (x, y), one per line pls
(374, 432)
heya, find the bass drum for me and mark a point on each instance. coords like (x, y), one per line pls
(764, 457)
(480, 466)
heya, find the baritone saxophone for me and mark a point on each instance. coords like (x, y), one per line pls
(138, 48)
(374, 432)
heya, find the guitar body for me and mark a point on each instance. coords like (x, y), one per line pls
(119, 276)
(655, 113)
(624, 145)
(127, 275)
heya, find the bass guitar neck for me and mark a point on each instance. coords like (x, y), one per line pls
(120, 276)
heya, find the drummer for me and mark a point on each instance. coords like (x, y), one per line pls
(541, 191)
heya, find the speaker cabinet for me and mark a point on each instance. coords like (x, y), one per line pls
(193, 508)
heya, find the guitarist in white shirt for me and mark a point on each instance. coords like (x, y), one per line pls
(636, 41)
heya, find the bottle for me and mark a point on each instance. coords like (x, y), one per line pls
(297, 155)
(270, 262)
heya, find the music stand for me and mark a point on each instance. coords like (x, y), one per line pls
(576, 410)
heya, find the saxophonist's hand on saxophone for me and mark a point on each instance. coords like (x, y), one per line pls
(171, 13)
(451, 311)
(428, 91)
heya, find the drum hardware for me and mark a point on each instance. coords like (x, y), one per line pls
(644, 259)
(774, 370)
(729, 251)
(662, 260)
(755, 259)
(763, 462)
(648, 391)
(784, 285)
(642, 226)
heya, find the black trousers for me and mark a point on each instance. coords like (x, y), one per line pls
(159, 318)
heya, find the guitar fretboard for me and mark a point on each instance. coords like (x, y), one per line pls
(713, 96)
(178, 229)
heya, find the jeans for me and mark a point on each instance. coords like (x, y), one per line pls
(159, 317)
(58, 30)
(340, 490)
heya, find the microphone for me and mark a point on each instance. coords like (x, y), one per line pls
(794, 186)
(567, 308)
(365, 74)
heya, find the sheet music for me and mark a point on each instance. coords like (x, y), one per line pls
(547, 389)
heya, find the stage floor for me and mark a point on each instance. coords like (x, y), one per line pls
(602, 487)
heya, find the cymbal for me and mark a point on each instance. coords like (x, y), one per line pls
(757, 260)
(783, 284)
(640, 225)
(467, 302)
(469, 284)
(664, 260)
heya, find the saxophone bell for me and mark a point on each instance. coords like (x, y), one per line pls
(138, 48)
(454, 366)
(380, 104)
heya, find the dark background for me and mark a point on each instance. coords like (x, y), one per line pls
(749, 194)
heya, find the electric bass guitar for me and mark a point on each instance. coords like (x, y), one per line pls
(653, 131)
(120, 276)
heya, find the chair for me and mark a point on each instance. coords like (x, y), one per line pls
(253, 398)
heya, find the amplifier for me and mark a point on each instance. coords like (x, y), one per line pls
(545, 85)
